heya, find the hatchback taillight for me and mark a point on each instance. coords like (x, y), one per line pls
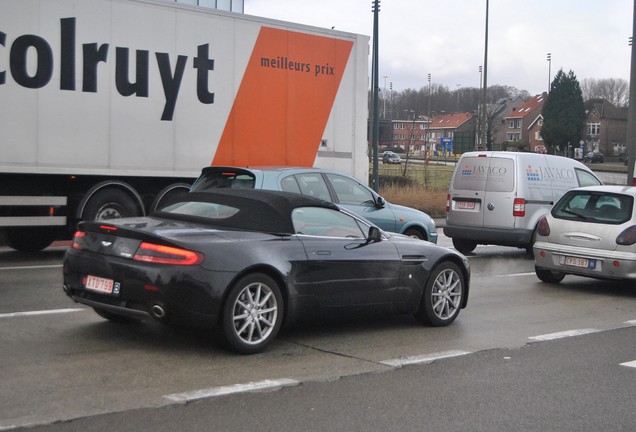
(627, 237)
(159, 254)
(543, 229)
(519, 207)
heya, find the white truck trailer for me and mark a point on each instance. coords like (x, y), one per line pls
(109, 106)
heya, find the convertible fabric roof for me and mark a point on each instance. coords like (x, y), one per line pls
(259, 210)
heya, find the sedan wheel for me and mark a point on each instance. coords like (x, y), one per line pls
(252, 313)
(443, 294)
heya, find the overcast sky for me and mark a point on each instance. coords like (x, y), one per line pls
(446, 37)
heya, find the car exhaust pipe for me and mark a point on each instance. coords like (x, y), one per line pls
(158, 312)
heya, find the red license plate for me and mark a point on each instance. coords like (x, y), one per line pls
(99, 284)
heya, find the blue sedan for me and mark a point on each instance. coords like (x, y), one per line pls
(332, 186)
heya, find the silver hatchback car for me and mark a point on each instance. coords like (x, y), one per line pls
(590, 231)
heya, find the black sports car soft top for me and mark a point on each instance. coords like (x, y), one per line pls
(244, 209)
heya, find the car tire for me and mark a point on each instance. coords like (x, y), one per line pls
(443, 295)
(112, 317)
(252, 313)
(464, 246)
(549, 276)
(416, 233)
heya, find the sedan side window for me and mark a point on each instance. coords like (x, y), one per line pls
(349, 191)
(324, 222)
(312, 184)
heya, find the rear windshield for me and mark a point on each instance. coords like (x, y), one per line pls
(596, 207)
(485, 174)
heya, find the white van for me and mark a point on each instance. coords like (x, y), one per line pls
(498, 197)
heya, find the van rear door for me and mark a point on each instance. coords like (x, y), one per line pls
(499, 196)
(467, 191)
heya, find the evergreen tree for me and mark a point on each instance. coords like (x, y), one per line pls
(563, 113)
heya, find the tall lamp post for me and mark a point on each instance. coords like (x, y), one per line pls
(549, 71)
(384, 98)
(480, 108)
(484, 125)
(631, 112)
(428, 123)
(375, 135)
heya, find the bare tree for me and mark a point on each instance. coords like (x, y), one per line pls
(614, 90)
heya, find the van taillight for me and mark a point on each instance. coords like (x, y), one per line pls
(519, 207)
(543, 229)
(448, 200)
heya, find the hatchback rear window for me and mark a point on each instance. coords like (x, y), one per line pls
(595, 207)
(224, 179)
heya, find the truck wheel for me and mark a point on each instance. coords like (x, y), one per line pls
(168, 195)
(110, 204)
(464, 246)
(30, 239)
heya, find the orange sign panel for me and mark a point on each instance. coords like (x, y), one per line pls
(284, 100)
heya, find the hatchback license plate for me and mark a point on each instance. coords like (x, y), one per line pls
(99, 284)
(580, 262)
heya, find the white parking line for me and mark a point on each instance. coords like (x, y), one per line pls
(231, 389)
(631, 364)
(41, 312)
(632, 322)
(563, 334)
(425, 358)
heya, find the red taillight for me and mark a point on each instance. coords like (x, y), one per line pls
(627, 237)
(519, 207)
(543, 229)
(107, 228)
(78, 239)
(448, 201)
(158, 254)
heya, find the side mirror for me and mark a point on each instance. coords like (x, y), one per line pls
(380, 202)
(375, 235)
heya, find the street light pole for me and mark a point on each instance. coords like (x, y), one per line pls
(428, 123)
(549, 71)
(384, 99)
(375, 135)
(484, 125)
(631, 112)
(458, 86)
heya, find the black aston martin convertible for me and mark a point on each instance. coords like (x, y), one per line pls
(246, 261)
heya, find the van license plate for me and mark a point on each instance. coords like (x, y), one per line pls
(580, 262)
(99, 284)
(466, 205)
